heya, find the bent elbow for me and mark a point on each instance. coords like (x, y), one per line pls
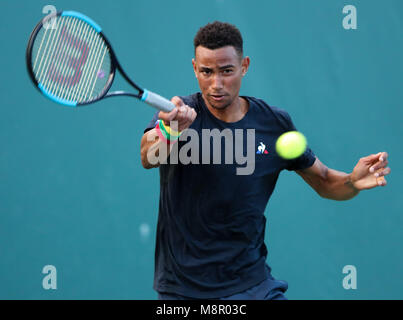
(144, 162)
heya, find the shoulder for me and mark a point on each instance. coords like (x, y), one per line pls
(263, 108)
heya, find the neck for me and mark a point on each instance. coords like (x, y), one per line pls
(232, 113)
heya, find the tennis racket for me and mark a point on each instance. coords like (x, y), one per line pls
(71, 62)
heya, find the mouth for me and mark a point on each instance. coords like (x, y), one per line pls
(218, 97)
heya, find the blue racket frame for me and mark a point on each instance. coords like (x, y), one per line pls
(115, 65)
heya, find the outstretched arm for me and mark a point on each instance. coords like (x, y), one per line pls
(369, 173)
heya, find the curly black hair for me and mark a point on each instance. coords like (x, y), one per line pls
(218, 34)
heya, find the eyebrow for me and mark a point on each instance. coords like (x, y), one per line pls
(221, 68)
(227, 66)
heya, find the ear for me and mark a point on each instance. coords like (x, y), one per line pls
(194, 66)
(245, 65)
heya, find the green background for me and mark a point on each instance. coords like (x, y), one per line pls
(73, 193)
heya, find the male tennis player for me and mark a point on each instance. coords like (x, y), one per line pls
(211, 224)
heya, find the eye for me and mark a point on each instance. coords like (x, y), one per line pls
(206, 72)
(228, 71)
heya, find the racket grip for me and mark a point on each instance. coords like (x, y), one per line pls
(157, 101)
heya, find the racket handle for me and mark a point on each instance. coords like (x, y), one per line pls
(157, 101)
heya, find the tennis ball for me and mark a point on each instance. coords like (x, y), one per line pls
(291, 145)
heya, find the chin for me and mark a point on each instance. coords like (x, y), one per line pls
(220, 106)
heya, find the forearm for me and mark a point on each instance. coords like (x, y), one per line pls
(154, 151)
(337, 186)
(368, 173)
(329, 183)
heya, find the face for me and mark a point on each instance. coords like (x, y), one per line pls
(219, 73)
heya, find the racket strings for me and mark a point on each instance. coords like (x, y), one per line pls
(80, 93)
(61, 78)
(50, 43)
(71, 61)
(69, 78)
(50, 81)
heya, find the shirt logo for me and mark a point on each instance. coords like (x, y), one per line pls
(261, 149)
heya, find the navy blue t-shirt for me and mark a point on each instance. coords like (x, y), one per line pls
(211, 223)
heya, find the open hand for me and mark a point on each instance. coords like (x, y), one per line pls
(370, 171)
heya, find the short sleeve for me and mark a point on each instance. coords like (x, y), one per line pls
(307, 159)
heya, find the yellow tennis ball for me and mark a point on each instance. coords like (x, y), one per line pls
(291, 145)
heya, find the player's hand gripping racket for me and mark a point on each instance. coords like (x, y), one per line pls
(71, 62)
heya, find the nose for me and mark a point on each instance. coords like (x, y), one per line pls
(217, 83)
